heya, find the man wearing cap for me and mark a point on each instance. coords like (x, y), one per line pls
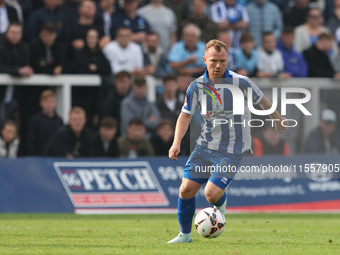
(323, 139)
(136, 105)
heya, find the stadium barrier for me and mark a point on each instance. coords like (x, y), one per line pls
(309, 183)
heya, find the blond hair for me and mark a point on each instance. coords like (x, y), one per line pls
(47, 93)
(78, 110)
(217, 44)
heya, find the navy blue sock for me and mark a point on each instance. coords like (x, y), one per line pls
(185, 212)
(221, 201)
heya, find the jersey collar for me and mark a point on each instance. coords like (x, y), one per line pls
(206, 75)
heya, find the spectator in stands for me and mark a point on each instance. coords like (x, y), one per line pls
(294, 62)
(70, 8)
(129, 18)
(231, 16)
(328, 10)
(9, 142)
(43, 125)
(89, 60)
(306, 35)
(246, 56)
(296, 15)
(282, 4)
(319, 64)
(14, 60)
(162, 140)
(51, 12)
(112, 103)
(167, 104)
(270, 61)
(72, 140)
(105, 14)
(324, 139)
(186, 55)
(87, 12)
(225, 37)
(46, 57)
(105, 141)
(334, 21)
(264, 16)
(136, 105)
(155, 62)
(46, 54)
(162, 20)
(269, 142)
(8, 15)
(123, 54)
(199, 18)
(134, 144)
(183, 81)
(180, 8)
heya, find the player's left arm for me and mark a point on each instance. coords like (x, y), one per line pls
(266, 104)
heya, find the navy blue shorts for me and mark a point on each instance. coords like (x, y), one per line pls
(216, 166)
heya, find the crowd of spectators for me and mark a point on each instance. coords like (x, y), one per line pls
(126, 40)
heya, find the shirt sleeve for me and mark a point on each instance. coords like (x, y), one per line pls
(191, 100)
(257, 94)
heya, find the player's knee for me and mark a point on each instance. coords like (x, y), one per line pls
(212, 197)
(186, 192)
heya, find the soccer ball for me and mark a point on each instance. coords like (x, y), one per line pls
(209, 222)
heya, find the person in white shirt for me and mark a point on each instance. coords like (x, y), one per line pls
(123, 54)
(270, 60)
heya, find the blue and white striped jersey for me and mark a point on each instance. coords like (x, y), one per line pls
(221, 12)
(234, 136)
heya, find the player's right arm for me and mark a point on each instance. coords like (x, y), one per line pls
(182, 125)
(183, 121)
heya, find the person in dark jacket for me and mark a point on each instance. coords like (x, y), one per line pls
(47, 54)
(51, 12)
(10, 15)
(105, 142)
(168, 105)
(89, 60)
(324, 139)
(14, 60)
(112, 102)
(297, 14)
(104, 15)
(162, 140)
(72, 140)
(319, 64)
(43, 125)
(87, 12)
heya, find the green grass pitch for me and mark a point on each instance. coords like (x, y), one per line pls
(148, 234)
